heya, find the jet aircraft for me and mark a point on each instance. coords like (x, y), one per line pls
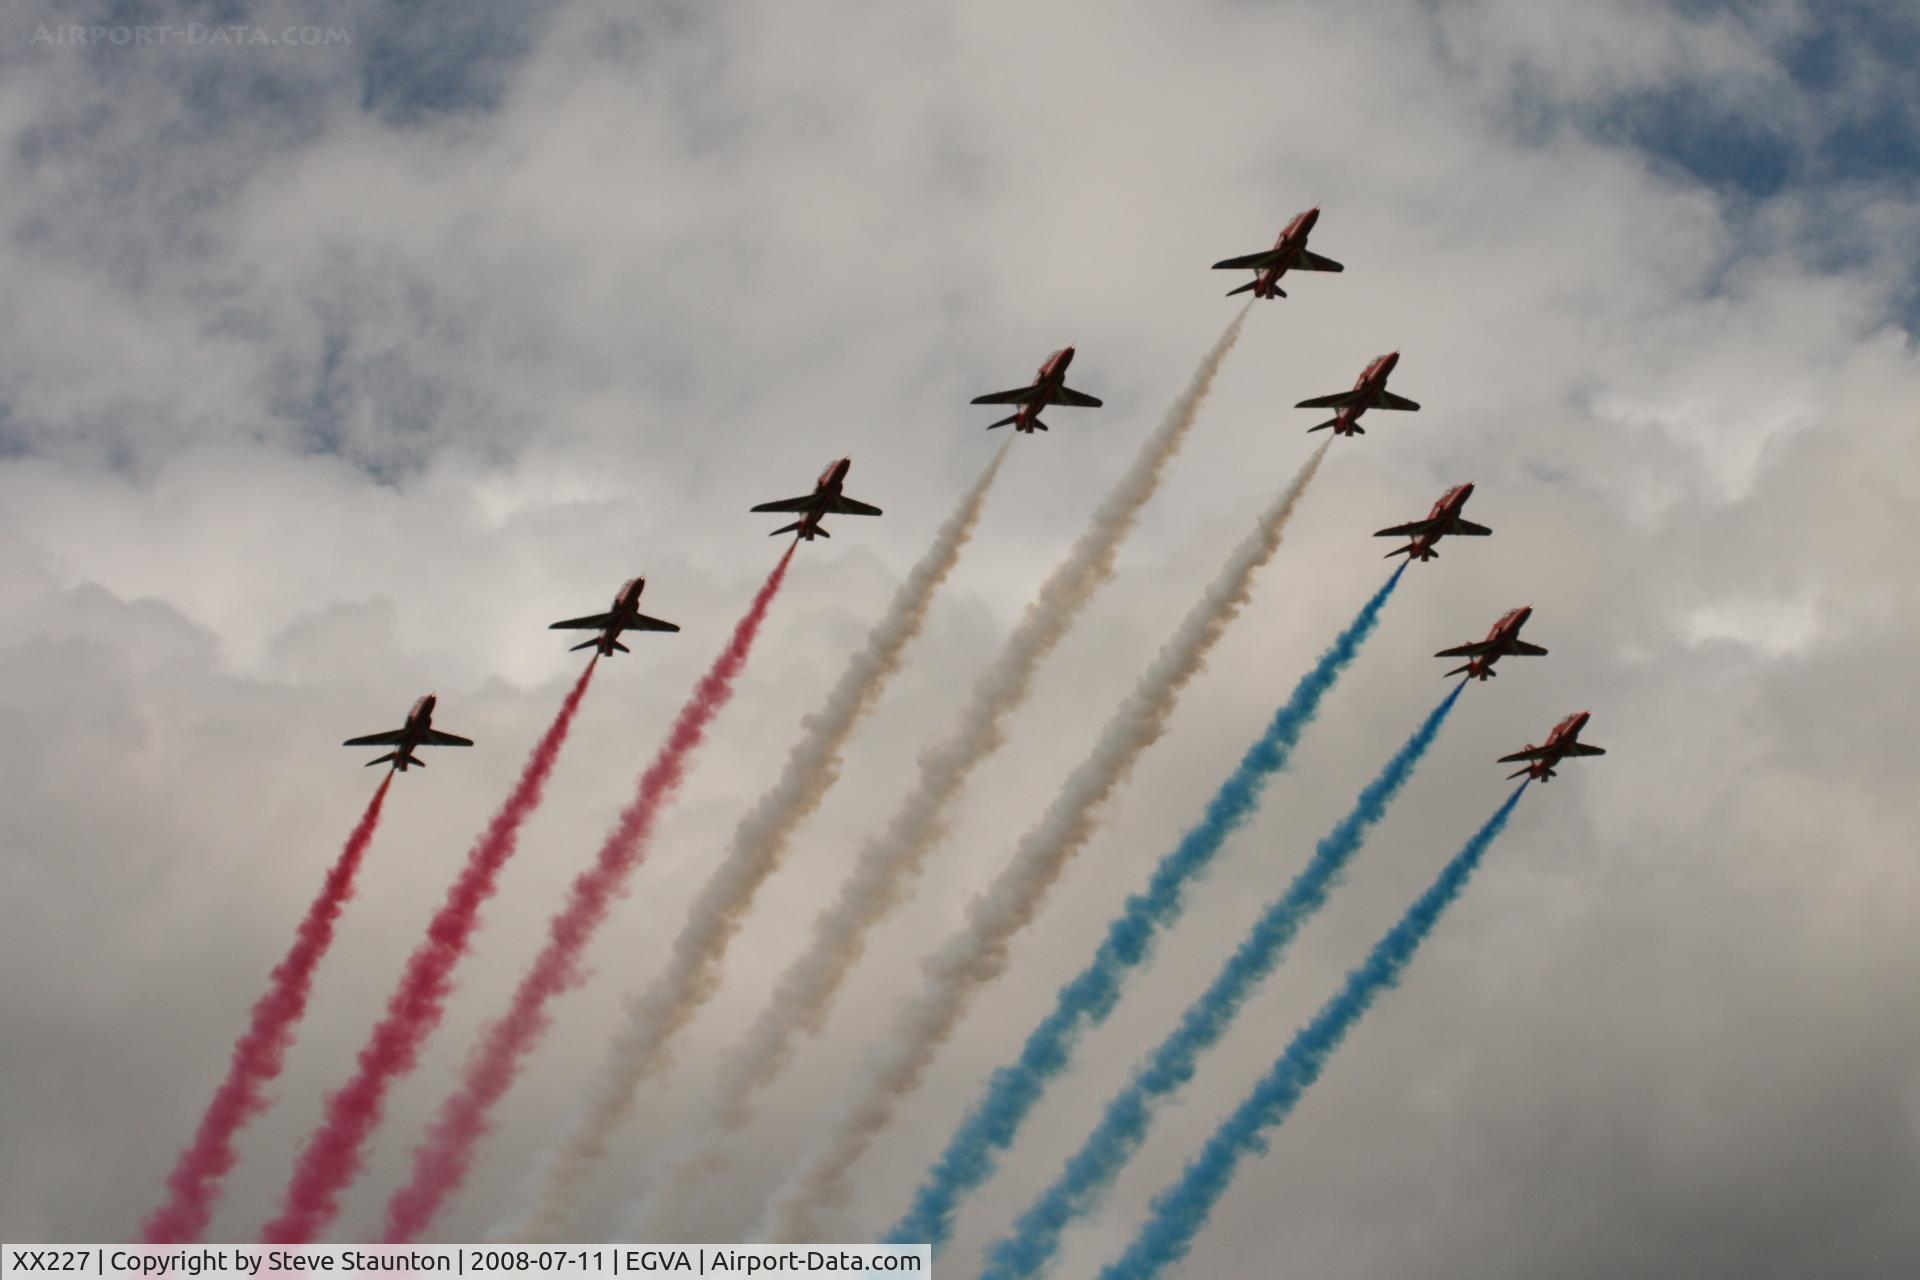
(825, 500)
(1289, 253)
(1502, 640)
(1561, 744)
(1369, 392)
(624, 616)
(1445, 518)
(417, 732)
(1049, 387)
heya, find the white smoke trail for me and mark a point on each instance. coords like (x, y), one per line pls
(760, 842)
(977, 954)
(889, 863)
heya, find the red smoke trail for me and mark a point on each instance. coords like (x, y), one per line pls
(333, 1156)
(442, 1161)
(194, 1184)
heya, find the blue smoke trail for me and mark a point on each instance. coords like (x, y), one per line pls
(1182, 1210)
(1083, 1184)
(991, 1125)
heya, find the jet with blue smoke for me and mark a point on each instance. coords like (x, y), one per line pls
(1180, 1212)
(1090, 1173)
(991, 1126)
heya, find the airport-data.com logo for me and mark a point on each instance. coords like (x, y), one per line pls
(217, 35)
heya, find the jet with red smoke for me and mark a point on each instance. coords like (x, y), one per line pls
(827, 499)
(417, 732)
(1049, 387)
(1444, 519)
(1289, 253)
(625, 615)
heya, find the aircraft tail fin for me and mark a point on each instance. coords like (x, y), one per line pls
(1012, 417)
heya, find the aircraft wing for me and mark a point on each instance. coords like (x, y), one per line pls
(1473, 650)
(804, 502)
(845, 506)
(1468, 529)
(1338, 400)
(1077, 399)
(435, 738)
(641, 622)
(1311, 261)
(1413, 530)
(1388, 400)
(1582, 749)
(1522, 649)
(1531, 753)
(592, 622)
(1019, 395)
(1254, 261)
(392, 738)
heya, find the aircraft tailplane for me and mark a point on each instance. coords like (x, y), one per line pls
(788, 528)
(1245, 288)
(1323, 426)
(1012, 417)
(584, 644)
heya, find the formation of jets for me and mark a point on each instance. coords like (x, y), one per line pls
(1048, 389)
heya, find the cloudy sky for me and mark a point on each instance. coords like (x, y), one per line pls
(329, 374)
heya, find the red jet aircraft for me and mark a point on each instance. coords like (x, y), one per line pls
(1445, 518)
(624, 616)
(417, 732)
(1049, 387)
(1503, 640)
(1289, 253)
(825, 500)
(1562, 743)
(1369, 392)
